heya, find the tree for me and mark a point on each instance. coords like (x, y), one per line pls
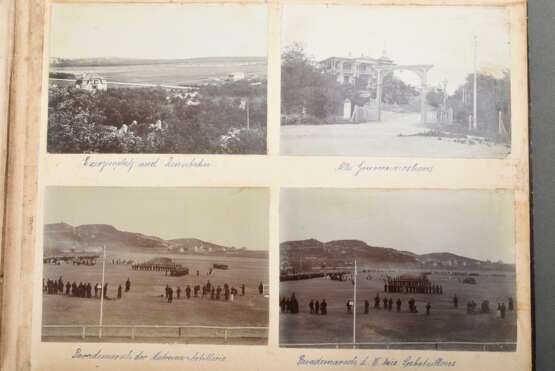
(305, 88)
(435, 97)
(493, 96)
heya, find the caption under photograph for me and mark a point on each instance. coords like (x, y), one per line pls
(156, 265)
(421, 270)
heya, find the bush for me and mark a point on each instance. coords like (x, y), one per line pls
(80, 121)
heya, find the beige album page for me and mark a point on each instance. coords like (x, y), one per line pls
(269, 185)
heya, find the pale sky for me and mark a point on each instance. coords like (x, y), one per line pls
(442, 36)
(157, 31)
(227, 216)
(476, 224)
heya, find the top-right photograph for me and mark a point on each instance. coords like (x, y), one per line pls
(396, 81)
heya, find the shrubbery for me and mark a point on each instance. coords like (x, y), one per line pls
(157, 122)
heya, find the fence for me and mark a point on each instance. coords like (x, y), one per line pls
(447, 345)
(154, 331)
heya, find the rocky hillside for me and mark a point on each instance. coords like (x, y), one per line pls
(63, 238)
(306, 254)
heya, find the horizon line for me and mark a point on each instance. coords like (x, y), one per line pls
(382, 247)
(156, 236)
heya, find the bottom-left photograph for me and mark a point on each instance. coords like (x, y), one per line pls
(156, 265)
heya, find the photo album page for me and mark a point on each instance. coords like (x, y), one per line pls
(267, 185)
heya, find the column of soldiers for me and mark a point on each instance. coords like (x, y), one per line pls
(423, 286)
(154, 267)
(340, 276)
(81, 290)
(210, 290)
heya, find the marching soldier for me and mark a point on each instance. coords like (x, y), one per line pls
(377, 301)
(324, 307)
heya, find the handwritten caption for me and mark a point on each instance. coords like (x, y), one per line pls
(362, 167)
(378, 362)
(131, 164)
(139, 355)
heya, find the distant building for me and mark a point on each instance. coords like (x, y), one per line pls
(91, 82)
(235, 76)
(356, 71)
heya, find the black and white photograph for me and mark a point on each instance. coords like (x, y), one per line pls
(396, 81)
(156, 265)
(402, 269)
(157, 78)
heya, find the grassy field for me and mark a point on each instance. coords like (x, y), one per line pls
(145, 304)
(445, 324)
(174, 74)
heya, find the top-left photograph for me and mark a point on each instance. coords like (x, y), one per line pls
(153, 78)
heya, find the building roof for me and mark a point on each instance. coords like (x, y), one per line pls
(362, 59)
(91, 76)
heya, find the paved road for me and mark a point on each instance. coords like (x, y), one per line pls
(378, 139)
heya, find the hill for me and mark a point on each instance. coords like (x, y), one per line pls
(63, 238)
(309, 254)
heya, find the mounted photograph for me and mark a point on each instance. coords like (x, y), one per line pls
(396, 81)
(157, 78)
(419, 270)
(155, 265)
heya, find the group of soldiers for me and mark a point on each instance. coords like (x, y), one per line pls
(214, 292)
(340, 276)
(388, 304)
(317, 307)
(149, 267)
(412, 287)
(484, 307)
(81, 290)
(291, 305)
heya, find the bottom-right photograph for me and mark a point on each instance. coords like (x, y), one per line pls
(397, 269)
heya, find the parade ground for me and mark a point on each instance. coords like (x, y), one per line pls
(146, 307)
(397, 135)
(445, 328)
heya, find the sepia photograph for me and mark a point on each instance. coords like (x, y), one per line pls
(157, 78)
(403, 269)
(156, 265)
(396, 81)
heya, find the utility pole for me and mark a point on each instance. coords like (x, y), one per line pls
(474, 109)
(102, 293)
(355, 306)
(445, 91)
(248, 118)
